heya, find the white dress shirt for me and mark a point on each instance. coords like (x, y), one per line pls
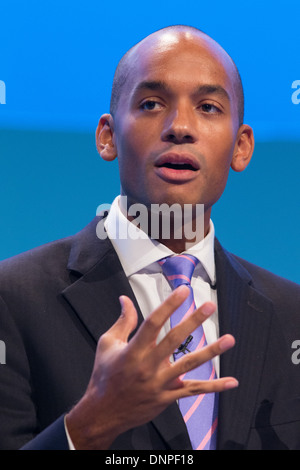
(139, 256)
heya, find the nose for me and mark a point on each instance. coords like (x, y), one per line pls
(179, 126)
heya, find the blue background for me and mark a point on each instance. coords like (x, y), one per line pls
(57, 60)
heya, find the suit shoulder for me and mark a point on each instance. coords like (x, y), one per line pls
(49, 266)
(279, 289)
(36, 262)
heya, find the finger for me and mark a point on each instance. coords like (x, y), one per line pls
(195, 359)
(151, 327)
(179, 333)
(126, 322)
(198, 387)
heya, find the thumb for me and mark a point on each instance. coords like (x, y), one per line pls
(127, 321)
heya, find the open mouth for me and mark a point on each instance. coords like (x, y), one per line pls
(178, 166)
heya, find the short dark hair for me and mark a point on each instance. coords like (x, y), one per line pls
(123, 70)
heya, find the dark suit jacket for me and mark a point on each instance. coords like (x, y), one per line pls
(58, 299)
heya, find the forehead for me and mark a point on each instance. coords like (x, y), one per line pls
(182, 60)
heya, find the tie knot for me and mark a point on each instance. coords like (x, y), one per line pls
(179, 269)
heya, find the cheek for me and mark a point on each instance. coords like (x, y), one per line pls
(127, 151)
(130, 139)
(222, 167)
(218, 166)
(224, 148)
(135, 141)
(221, 180)
(131, 161)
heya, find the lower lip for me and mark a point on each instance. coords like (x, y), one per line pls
(176, 176)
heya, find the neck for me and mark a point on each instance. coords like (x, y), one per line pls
(190, 234)
(175, 228)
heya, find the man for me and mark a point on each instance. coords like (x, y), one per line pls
(176, 127)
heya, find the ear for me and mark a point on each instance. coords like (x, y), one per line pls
(105, 138)
(243, 149)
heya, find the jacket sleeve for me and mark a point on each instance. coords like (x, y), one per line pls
(52, 438)
(19, 426)
(17, 411)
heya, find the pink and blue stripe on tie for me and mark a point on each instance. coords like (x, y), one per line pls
(199, 412)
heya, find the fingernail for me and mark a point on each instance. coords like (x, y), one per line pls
(180, 288)
(178, 291)
(208, 309)
(121, 300)
(226, 343)
(232, 383)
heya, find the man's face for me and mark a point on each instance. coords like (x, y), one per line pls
(176, 124)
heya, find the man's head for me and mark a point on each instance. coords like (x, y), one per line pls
(124, 67)
(176, 120)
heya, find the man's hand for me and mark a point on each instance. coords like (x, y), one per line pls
(132, 382)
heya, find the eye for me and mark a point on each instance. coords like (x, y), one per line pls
(210, 108)
(150, 105)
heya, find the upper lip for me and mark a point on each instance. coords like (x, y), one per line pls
(178, 158)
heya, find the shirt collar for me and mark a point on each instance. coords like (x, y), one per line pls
(137, 251)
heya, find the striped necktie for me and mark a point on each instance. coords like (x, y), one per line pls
(199, 412)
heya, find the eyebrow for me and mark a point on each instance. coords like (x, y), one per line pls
(213, 90)
(158, 85)
(155, 85)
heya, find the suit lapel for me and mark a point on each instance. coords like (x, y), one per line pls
(246, 314)
(94, 297)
